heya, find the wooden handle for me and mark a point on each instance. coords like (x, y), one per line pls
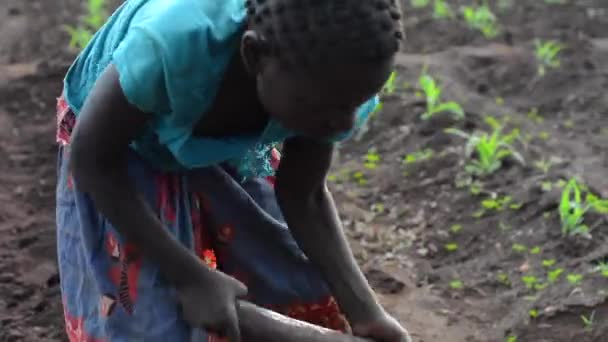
(259, 324)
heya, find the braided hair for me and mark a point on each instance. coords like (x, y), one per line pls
(305, 32)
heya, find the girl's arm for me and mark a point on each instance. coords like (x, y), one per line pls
(100, 142)
(98, 157)
(311, 215)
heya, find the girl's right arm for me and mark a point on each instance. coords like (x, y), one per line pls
(100, 142)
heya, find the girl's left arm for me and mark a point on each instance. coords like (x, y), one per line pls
(311, 215)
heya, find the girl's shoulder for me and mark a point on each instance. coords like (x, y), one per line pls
(174, 19)
(173, 51)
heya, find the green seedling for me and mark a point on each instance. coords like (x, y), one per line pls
(574, 279)
(511, 338)
(588, 321)
(418, 156)
(456, 285)
(535, 116)
(451, 247)
(372, 159)
(572, 208)
(547, 55)
(543, 165)
(491, 149)
(503, 278)
(554, 275)
(546, 186)
(519, 248)
(94, 18)
(498, 203)
(378, 208)
(556, 2)
(360, 178)
(390, 84)
(532, 283)
(602, 268)
(432, 92)
(456, 228)
(544, 135)
(441, 10)
(481, 18)
(568, 123)
(548, 262)
(535, 251)
(475, 188)
(533, 313)
(419, 3)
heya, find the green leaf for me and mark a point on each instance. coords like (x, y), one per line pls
(452, 107)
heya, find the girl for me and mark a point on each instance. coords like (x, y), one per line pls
(166, 194)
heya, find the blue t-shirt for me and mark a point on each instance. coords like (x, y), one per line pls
(171, 56)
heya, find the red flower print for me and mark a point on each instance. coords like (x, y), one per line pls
(325, 313)
(209, 258)
(75, 329)
(124, 273)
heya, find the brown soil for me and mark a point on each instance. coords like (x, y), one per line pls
(400, 220)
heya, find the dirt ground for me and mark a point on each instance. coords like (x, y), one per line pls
(399, 217)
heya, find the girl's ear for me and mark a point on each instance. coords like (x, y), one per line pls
(253, 50)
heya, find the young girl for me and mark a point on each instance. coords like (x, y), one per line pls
(168, 208)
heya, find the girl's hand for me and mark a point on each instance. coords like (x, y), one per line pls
(209, 301)
(382, 328)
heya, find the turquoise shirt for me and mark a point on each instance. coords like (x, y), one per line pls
(171, 56)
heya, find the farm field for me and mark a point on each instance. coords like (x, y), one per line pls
(494, 245)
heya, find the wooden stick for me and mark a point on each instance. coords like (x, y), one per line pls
(259, 324)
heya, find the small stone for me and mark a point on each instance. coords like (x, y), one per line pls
(423, 252)
(6, 277)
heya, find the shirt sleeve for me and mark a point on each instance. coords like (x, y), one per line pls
(141, 65)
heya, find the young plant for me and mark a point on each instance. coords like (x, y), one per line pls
(481, 18)
(547, 55)
(419, 3)
(456, 285)
(503, 278)
(532, 283)
(548, 262)
(573, 207)
(432, 92)
(442, 10)
(519, 248)
(372, 159)
(94, 18)
(418, 156)
(491, 148)
(574, 278)
(602, 268)
(390, 86)
(456, 228)
(451, 247)
(588, 321)
(554, 275)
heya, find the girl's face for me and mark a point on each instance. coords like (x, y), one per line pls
(320, 101)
